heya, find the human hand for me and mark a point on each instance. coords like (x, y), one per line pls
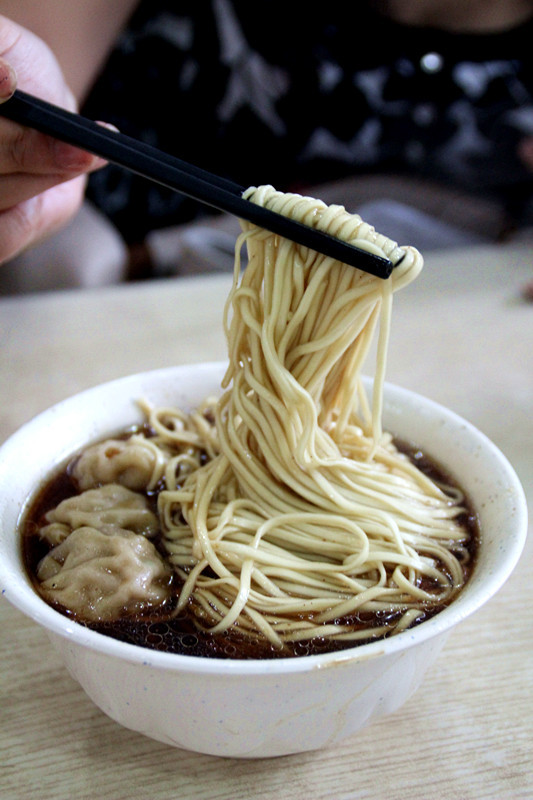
(42, 180)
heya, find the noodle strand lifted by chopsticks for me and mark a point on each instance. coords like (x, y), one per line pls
(305, 514)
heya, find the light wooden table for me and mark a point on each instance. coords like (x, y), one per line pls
(463, 336)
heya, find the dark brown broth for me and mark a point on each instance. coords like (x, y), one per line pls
(158, 629)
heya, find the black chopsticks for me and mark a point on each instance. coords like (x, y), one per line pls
(172, 172)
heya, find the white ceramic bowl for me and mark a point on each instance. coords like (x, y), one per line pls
(253, 708)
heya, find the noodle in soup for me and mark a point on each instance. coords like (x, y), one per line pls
(280, 515)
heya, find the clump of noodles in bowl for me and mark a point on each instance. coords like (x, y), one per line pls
(259, 557)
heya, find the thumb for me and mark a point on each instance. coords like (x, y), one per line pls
(8, 80)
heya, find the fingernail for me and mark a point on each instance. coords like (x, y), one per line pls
(109, 126)
(72, 159)
(8, 80)
(69, 157)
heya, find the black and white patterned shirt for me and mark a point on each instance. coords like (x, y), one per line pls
(272, 92)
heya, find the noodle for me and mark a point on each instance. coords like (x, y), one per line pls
(305, 514)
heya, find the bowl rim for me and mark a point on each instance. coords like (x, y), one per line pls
(16, 588)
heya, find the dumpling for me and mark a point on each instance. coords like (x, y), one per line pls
(135, 462)
(108, 505)
(104, 574)
(55, 533)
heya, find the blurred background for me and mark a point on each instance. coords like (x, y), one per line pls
(416, 115)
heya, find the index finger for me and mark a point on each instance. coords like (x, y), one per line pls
(24, 150)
